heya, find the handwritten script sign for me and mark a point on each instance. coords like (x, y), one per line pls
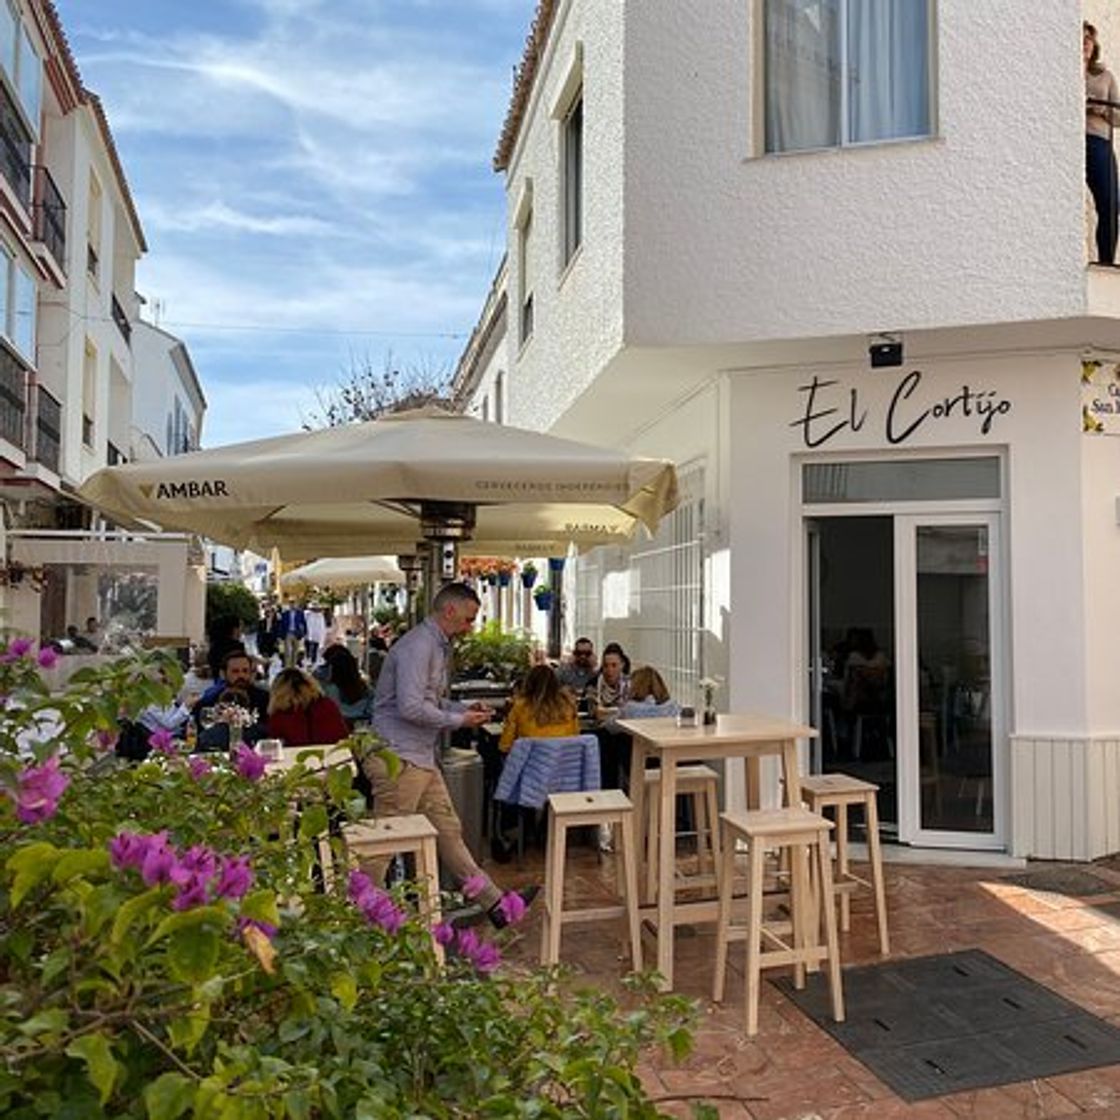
(829, 409)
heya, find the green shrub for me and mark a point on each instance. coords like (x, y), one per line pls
(231, 601)
(492, 652)
(164, 952)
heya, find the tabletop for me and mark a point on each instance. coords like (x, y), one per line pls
(738, 728)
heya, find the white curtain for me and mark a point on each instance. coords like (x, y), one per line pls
(888, 69)
(885, 72)
(802, 74)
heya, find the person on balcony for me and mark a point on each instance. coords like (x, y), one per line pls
(1101, 95)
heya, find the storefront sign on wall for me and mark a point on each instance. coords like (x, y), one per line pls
(829, 408)
(1100, 398)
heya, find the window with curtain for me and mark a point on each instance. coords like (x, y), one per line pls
(846, 72)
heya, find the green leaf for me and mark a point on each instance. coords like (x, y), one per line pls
(344, 988)
(101, 904)
(188, 919)
(313, 822)
(84, 861)
(262, 906)
(132, 910)
(31, 864)
(168, 1097)
(101, 1067)
(298, 1104)
(192, 953)
(186, 1033)
(52, 1021)
(340, 782)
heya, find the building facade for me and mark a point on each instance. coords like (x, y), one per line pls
(799, 248)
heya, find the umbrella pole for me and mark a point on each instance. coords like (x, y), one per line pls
(412, 565)
(444, 525)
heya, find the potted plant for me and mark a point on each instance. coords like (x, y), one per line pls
(528, 574)
(542, 596)
(556, 563)
(492, 653)
(505, 570)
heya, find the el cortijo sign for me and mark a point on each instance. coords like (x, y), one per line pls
(829, 408)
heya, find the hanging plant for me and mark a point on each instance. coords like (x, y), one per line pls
(528, 574)
(542, 596)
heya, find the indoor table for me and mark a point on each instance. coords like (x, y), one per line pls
(750, 737)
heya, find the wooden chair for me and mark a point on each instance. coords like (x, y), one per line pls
(701, 785)
(381, 838)
(805, 836)
(609, 807)
(838, 792)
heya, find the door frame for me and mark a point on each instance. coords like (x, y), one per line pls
(989, 511)
(910, 830)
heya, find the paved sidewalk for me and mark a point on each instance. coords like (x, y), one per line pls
(1066, 937)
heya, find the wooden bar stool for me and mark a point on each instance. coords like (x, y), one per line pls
(701, 785)
(805, 836)
(381, 838)
(609, 807)
(839, 791)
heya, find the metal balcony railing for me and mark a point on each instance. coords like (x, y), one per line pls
(48, 430)
(48, 214)
(121, 319)
(15, 165)
(13, 399)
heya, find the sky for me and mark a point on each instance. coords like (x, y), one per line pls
(313, 178)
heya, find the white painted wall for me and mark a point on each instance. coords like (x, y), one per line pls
(157, 383)
(578, 312)
(1044, 547)
(983, 223)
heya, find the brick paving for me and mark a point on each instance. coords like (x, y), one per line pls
(792, 1070)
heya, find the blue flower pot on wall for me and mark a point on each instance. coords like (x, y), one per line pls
(556, 563)
(503, 579)
(528, 579)
(544, 602)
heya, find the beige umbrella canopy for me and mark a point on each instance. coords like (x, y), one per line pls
(383, 485)
(344, 571)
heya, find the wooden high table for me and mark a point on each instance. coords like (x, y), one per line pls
(750, 737)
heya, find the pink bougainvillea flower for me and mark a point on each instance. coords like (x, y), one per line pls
(235, 877)
(484, 957)
(159, 859)
(105, 740)
(380, 910)
(197, 860)
(192, 892)
(48, 657)
(199, 767)
(16, 648)
(512, 907)
(267, 928)
(473, 886)
(250, 765)
(40, 789)
(358, 885)
(163, 742)
(444, 933)
(127, 849)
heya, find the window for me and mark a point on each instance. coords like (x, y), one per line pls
(93, 226)
(572, 146)
(901, 480)
(25, 295)
(89, 393)
(525, 275)
(30, 71)
(499, 397)
(846, 72)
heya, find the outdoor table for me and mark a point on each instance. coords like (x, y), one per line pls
(750, 737)
(333, 755)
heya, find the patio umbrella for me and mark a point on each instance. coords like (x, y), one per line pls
(385, 484)
(344, 571)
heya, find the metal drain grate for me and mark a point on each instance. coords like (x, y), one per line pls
(945, 1024)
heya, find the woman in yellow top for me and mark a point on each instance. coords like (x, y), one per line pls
(542, 709)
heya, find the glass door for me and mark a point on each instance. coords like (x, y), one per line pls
(950, 765)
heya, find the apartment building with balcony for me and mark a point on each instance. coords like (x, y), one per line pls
(833, 257)
(70, 377)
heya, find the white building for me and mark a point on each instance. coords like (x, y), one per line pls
(168, 404)
(715, 213)
(70, 237)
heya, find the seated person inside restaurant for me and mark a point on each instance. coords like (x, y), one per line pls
(605, 695)
(237, 673)
(345, 685)
(540, 710)
(300, 714)
(578, 673)
(649, 696)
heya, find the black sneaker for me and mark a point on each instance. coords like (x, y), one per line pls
(498, 919)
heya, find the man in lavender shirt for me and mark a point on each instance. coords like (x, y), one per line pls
(410, 710)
